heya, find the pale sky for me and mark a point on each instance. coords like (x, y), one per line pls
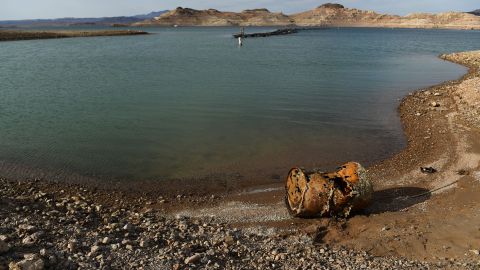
(41, 9)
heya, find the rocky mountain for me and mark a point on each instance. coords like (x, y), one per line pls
(475, 12)
(82, 21)
(212, 17)
(329, 15)
(339, 16)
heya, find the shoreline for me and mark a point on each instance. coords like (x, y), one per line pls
(399, 230)
(16, 35)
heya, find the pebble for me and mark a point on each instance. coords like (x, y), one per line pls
(72, 246)
(4, 247)
(434, 104)
(128, 227)
(28, 264)
(105, 240)
(229, 240)
(193, 259)
(94, 249)
(28, 241)
(144, 243)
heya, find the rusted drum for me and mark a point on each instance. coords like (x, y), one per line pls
(319, 194)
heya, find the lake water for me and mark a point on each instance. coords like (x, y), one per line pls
(188, 102)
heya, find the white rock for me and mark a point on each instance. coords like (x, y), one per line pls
(94, 249)
(30, 256)
(26, 227)
(72, 246)
(193, 259)
(105, 240)
(144, 243)
(33, 264)
(128, 227)
(28, 241)
(475, 251)
(435, 104)
(114, 246)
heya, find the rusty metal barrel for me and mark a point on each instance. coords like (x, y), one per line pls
(322, 194)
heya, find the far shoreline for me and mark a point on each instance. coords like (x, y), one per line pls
(16, 35)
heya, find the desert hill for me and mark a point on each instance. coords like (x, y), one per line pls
(337, 15)
(334, 15)
(213, 17)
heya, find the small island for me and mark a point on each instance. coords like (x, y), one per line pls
(11, 35)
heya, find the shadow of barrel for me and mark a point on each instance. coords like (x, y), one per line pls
(396, 199)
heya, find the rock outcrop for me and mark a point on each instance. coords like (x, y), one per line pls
(212, 17)
(334, 15)
(337, 16)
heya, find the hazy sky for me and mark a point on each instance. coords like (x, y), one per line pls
(33, 9)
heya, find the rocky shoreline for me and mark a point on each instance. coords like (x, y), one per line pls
(58, 226)
(69, 230)
(13, 35)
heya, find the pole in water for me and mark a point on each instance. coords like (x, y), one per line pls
(240, 38)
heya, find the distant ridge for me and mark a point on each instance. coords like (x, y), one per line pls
(212, 17)
(329, 15)
(82, 21)
(326, 15)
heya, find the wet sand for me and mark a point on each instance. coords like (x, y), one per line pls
(12, 35)
(407, 226)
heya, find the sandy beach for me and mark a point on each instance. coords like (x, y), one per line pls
(417, 220)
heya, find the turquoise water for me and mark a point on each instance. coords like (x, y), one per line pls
(188, 102)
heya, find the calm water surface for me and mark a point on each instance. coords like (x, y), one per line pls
(188, 102)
